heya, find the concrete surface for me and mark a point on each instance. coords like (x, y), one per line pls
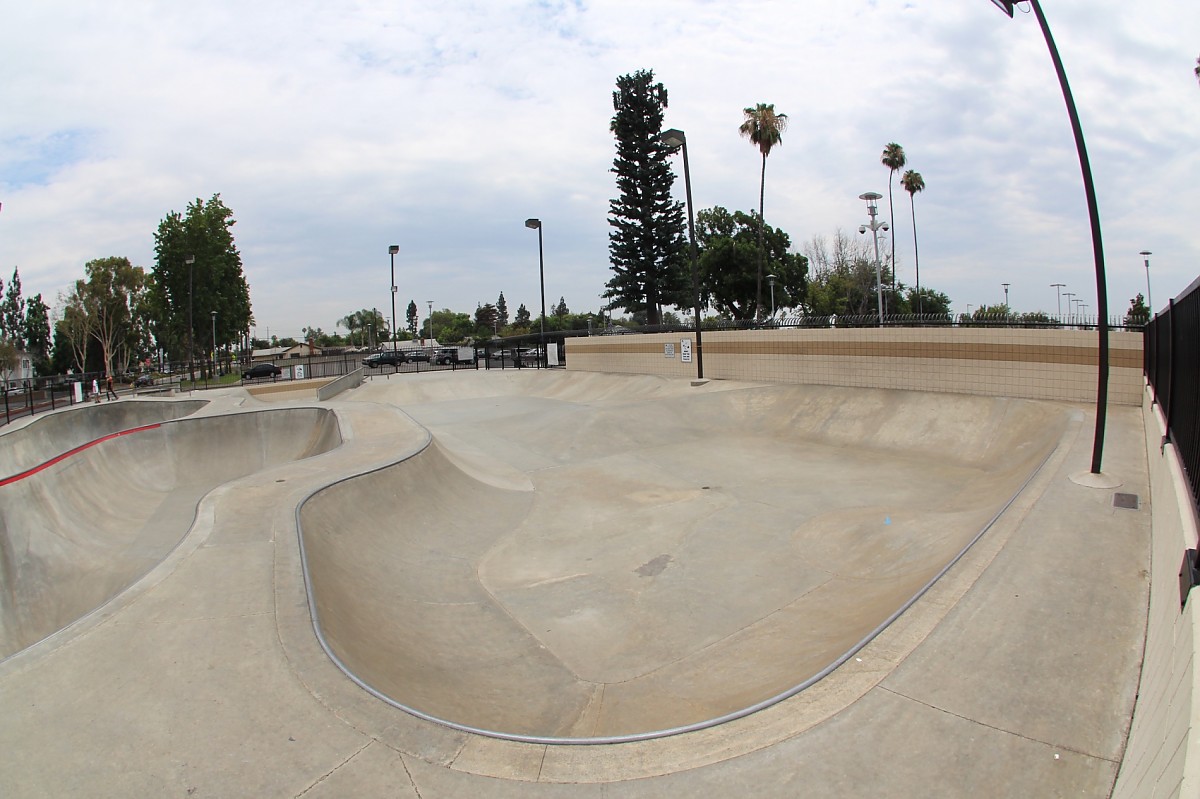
(1013, 676)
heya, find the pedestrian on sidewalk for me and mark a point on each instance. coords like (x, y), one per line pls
(108, 388)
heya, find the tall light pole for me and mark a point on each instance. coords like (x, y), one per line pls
(1094, 216)
(1006, 285)
(1070, 295)
(871, 197)
(429, 303)
(675, 138)
(392, 250)
(536, 224)
(190, 261)
(1149, 302)
(1058, 287)
(771, 281)
(214, 347)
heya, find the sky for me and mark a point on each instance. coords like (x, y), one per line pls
(335, 129)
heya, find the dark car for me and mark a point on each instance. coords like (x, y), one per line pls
(143, 380)
(417, 355)
(389, 358)
(262, 370)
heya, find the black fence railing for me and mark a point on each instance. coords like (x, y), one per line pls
(1172, 364)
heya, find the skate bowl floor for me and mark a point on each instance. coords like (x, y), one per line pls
(587, 558)
(93, 498)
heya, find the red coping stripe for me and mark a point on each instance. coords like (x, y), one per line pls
(22, 475)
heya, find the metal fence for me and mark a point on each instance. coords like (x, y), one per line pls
(1172, 363)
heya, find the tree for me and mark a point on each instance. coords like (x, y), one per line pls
(928, 302)
(411, 317)
(37, 333)
(893, 158)
(350, 322)
(764, 128)
(112, 297)
(487, 320)
(182, 295)
(1138, 314)
(522, 319)
(913, 183)
(12, 312)
(561, 310)
(731, 256)
(646, 247)
(8, 357)
(841, 276)
(501, 311)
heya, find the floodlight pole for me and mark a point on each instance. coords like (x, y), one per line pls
(392, 250)
(675, 138)
(1094, 215)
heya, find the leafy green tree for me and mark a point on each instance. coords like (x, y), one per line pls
(8, 357)
(487, 321)
(841, 276)
(198, 269)
(450, 327)
(928, 302)
(37, 333)
(1138, 314)
(104, 307)
(913, 183)
(730, 257)
(501, 311)
(522, 321)
(646, 246)
(893, 158)
(12, 312)
(411, 317)
(561, 310)
(764, 128)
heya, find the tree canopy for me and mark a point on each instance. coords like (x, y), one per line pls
(198, 270)
(646, 245)
(730, 257)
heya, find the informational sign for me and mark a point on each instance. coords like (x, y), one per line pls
(669, 349)
(298, 371)
(552, 354)
(685, 350)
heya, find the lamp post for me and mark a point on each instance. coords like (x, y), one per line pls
(190, 261)
(392, 250)
(1006, 285)
(536, 224)
(1094, 216)
(1070, 295)
(771, 281)
(871, 197)
(1058, 287)
(213, 368)
(1149, 302)
(429, 303)
(676, 139)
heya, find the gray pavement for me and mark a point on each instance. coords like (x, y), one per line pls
(676, 541)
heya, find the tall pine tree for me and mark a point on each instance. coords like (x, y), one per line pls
(646, 247)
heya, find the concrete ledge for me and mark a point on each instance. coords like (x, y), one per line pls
(335, 387)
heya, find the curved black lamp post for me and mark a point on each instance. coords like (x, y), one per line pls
(1097, 246)
(392, 250)
(536, 224)
(675, 139)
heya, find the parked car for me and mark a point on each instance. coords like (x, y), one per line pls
(387, 358)
(143, 380)
(417, 355)
(262, 370)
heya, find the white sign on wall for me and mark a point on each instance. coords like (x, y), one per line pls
(669, 350)
(685, 350)
(298, 371)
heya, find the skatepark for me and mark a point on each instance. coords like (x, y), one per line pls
(547, 583)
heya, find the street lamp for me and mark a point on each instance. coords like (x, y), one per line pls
(1094, 215)
(1070, 295)
(675, 139)
(1006, 285)
(871, 197)
(190, 261)
(392, 250)
(1149, 302)
(429, 303)
(771, 281)
(213, 368)
(536, 224)
(1058, 287)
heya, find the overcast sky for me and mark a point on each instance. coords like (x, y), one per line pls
(334, 129)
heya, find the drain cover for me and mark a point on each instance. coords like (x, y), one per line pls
(1129, 501)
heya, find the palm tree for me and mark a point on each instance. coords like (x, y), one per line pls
(893, 159)
(913, 183)
(763, 127)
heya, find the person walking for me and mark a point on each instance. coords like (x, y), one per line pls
(109, 394)
(96, 390)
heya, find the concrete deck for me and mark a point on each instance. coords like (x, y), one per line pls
(715, 517)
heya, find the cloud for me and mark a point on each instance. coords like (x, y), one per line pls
(335, 129)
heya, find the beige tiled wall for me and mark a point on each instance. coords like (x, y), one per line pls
(1011, 362)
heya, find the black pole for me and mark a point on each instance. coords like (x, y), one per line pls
(191, 357)
(1097, 245)
(392, 250)
(545, 359)
(687, 185)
